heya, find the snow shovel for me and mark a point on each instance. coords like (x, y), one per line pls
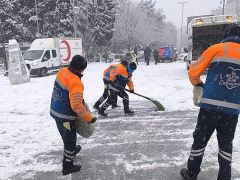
(158, 104)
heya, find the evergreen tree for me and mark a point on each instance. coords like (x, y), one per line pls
(10, 24)
(25, 10)
(101, 19)
(47, 18)
(64, 18)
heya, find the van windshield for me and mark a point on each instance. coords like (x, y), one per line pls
(33, 55)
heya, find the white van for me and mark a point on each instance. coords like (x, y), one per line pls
(50, 54)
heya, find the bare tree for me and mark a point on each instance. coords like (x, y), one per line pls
(141, 23)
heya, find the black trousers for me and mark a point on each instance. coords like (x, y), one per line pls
(105, 96)
(147, 59)
(67, 130)
(225, 125)
(112, 96)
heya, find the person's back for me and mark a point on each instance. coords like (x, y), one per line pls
(219, 101)
(61, 104)
(147, 54)
(64, 93)
(119, 76)
(222, 87)
(147, 51)
(107, 71)
(106, 81)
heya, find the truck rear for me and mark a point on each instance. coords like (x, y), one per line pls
(206, 31)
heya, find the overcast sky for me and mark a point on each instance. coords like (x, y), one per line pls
(173, 10)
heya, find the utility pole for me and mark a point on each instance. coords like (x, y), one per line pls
(183, 4)
(223, 7)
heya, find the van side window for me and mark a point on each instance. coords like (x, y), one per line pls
(46, 56)
(54, 53)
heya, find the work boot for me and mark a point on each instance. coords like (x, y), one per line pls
(186, 176)
(102, 113)
(72, 169)
(128, 112)
(77, 149)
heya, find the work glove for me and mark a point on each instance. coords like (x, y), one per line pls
(131, 91)
(94, 119)
(197, 94)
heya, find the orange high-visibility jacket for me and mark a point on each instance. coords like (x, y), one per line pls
(118, 73)
(221, 90)
(67, 97)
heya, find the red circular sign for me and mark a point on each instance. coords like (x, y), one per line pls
(68, 50)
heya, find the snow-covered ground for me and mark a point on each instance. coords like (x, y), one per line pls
(30, 144)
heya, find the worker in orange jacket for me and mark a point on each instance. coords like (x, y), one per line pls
(105, 92)
(67, 104)
(117, 77)
(219, 102)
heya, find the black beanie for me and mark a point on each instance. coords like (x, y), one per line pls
(78, 63)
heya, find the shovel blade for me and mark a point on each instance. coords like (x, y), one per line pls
(158, 104)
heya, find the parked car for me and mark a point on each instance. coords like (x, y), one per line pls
(183, 56)
(167, 53)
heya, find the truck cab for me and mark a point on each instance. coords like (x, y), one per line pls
(41, 62)
(50, 54)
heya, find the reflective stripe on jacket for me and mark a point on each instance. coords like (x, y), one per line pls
(221, 91)
(67, 97)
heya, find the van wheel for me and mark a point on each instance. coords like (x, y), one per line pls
(43, 72)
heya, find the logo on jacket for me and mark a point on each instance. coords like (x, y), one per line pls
(57, 94)
(231, 80)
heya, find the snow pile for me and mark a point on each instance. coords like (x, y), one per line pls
(29, 140)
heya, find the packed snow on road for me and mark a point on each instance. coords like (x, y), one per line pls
(148, 145)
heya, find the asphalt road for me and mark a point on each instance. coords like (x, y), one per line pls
(148, 145)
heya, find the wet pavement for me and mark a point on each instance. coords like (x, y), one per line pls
(148, 145)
